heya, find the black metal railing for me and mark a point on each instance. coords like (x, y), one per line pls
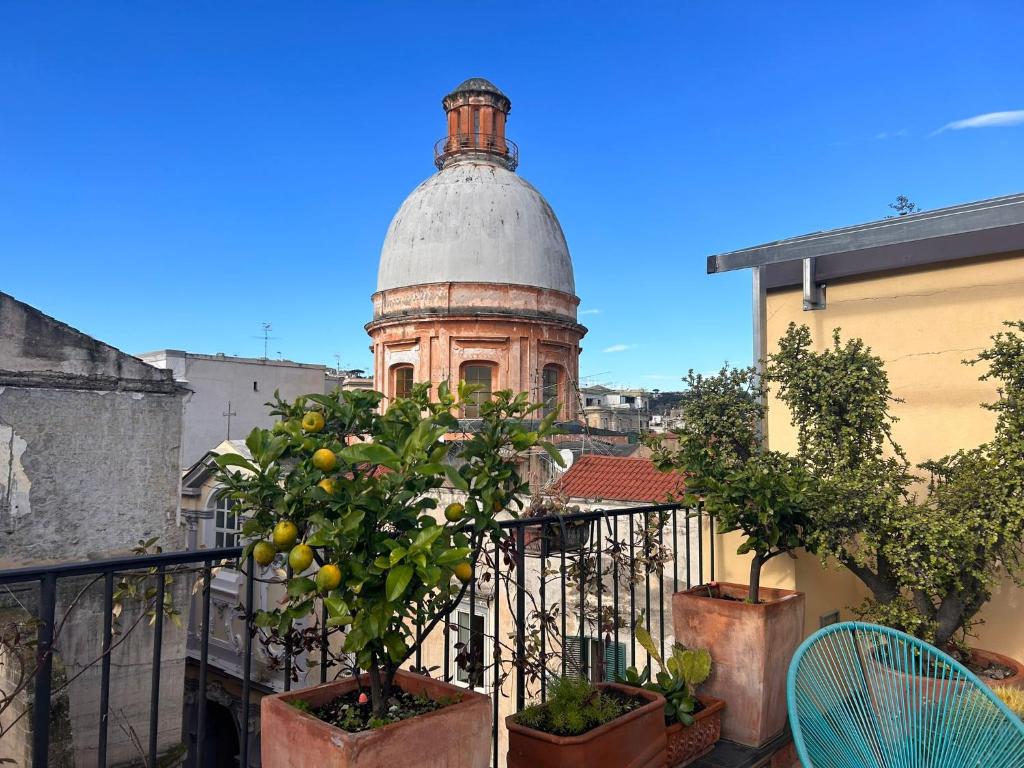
(572, 587)
(491, 144)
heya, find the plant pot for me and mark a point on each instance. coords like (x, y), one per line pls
(982, 657)
(687, 743)
(455, 736)
(547, 539)
(635, 740)
(752, 646)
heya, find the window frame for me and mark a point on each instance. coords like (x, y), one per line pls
(225, 535)
(472, 410)
(399, 370)
(550, 392)
(480, 607)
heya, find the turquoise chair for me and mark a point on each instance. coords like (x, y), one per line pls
(864, 696)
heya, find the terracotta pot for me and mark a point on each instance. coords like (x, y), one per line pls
(456, 736)
(635, 740)
(1016, 680)
(687, 743)
(751, 646)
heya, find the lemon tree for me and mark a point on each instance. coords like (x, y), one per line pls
(356, 492)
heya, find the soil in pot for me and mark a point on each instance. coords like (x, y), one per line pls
(349, 714)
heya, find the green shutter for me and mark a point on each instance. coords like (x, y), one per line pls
(614, 662)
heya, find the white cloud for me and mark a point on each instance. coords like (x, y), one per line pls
(617, 348)
(987, 120)
(590, 311)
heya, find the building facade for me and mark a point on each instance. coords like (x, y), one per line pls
(475, 280)
(625, 410)
(90, 444)
(229, 395)
(925, 292)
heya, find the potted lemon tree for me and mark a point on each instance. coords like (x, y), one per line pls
(344, 488)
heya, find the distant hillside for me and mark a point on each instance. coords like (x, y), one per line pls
(661, 403)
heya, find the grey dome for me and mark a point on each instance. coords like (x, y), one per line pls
(478, 84)
(475, 222)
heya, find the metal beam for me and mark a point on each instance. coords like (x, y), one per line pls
(983, 216)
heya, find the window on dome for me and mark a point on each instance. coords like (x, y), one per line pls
(402, 380)
(549, 388)
(480, 374)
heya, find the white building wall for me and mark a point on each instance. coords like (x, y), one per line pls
(248, 384)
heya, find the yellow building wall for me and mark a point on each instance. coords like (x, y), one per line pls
(922, 323)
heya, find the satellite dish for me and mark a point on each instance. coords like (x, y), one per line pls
(567, 457)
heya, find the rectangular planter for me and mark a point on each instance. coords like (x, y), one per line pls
(635, 740)
(687, 743)
(456, 736)
(751, 645)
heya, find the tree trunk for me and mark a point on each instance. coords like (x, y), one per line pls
(753, 596)
(377, 698)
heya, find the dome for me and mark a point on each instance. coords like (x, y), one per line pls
(478, 85)
(475, 222)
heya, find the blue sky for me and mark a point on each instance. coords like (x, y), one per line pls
(175, 174)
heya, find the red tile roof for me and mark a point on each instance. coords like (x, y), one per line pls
(618, 479)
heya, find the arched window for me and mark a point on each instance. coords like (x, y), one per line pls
(482, 375)
(401, 380)
(549, 394)
(226, 524)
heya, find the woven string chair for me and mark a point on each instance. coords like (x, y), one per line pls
(864, 696)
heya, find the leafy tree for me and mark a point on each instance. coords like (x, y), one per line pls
(768, 496)
(903, 206)
(930, 562)
(355, 481)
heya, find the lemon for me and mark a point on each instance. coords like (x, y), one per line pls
(285, 534)
(300, 558)
(313, 421)
(454, 512)
(328, 578)
(325, 460)
(464, 571)
(264, 553)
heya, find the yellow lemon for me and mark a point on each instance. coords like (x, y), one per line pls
(464, 571)
(327, 486)
(313, 421)
(328, 578)
(325, 460)
(285, 534)
(300, 558)
(454, 512)
(264, 553)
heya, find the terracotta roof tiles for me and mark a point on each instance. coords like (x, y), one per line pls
(618, 479)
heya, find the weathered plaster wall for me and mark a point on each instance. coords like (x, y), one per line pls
(922, 323)
(102, 468)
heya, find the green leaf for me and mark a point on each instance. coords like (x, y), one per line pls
(370, 453)
(300, 586)
(457, 480)
(234, 460)
(398, 580)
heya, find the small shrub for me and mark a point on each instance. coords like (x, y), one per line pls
(573, 707)
(1012, 697)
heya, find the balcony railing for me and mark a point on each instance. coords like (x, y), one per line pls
(572, 588)
(463, 144)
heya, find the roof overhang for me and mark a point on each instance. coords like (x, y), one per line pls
(984, 228)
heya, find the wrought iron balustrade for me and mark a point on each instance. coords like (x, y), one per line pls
(570, 596)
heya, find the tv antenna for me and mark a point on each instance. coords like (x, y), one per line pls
(267, 338)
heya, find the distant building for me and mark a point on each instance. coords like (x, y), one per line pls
(625, 410)
(90, 442)
(475, 280)
(229, 395)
